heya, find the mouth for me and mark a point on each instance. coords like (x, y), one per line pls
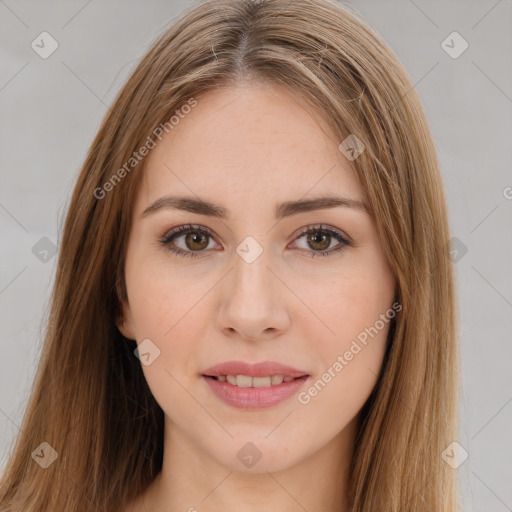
(246, 381)
(254, 386)
(257, 375)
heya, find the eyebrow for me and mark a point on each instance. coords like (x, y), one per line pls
(286, 209)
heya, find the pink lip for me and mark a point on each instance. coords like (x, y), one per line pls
(254, 398)
(264, 369)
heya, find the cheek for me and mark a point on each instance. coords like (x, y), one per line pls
(349, 304)
(161, 310)
(350, 359)
(165, 310)
(355, 315)
(335, 397)
(160, 295)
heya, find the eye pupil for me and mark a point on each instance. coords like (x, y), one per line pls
(313, 240)
(193, 238)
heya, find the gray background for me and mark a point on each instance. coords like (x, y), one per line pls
(50, 110)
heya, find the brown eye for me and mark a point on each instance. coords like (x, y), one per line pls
(319, 239)
(195, 240)
(319, 242)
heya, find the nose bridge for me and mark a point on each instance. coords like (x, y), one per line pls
(253, 302)
(251, 275)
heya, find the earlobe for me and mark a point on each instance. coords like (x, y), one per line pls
(125, 330)
(124, 325)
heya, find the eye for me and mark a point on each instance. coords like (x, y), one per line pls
(196, 240)
(320, 239)
(195, 237)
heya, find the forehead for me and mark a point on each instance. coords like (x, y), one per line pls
(249, 143)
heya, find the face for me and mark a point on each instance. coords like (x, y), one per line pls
(309, 289)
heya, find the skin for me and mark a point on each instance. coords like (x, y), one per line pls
(248, 148)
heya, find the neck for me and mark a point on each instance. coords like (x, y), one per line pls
(192, 481)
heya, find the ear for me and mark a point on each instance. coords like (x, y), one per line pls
(124, 321)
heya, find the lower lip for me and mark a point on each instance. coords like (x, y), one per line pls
(254, 398)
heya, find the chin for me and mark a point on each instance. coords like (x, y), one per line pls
(259, 455)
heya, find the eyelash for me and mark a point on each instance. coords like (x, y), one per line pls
(169, 237)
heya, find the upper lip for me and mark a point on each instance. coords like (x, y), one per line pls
(263, 369)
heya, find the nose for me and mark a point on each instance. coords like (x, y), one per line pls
(254, 300)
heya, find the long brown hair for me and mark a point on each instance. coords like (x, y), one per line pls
(90, 401)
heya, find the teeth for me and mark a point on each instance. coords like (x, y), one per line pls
(260, 382)
(277, 379)
(244, 381)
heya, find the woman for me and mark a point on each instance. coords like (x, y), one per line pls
(254, 307)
